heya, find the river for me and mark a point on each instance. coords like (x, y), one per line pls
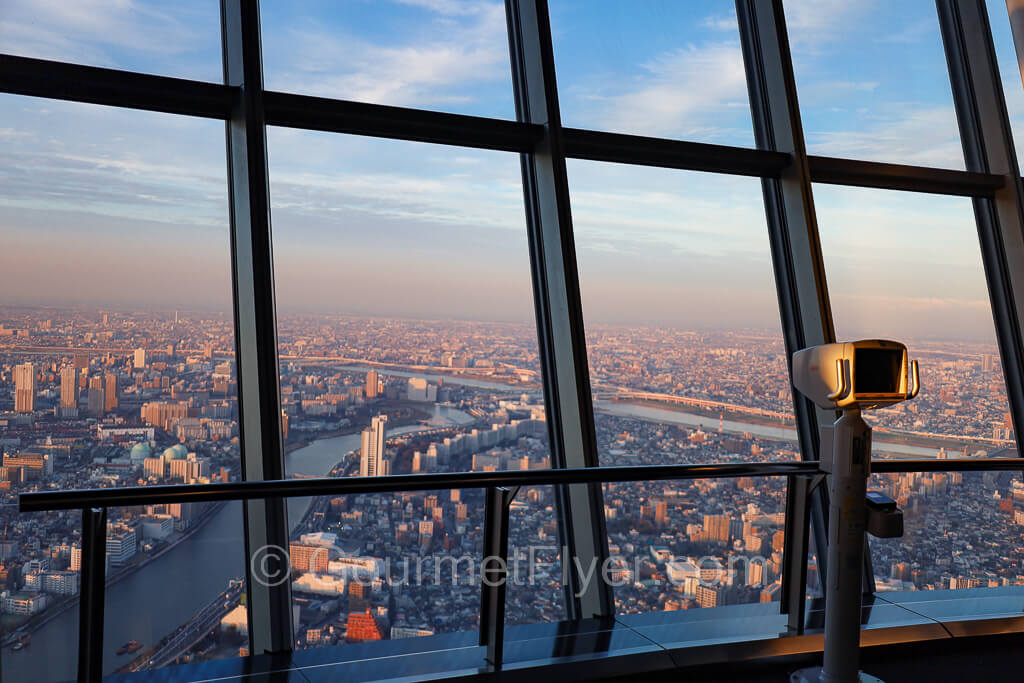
(448, 379)
(779, 433)
(153, 601)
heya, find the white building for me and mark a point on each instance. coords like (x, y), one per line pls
(419, 389)
(320, 584)
(60, 582)
(372, 462)
(157, 526)
(684, 574)
(121, 545)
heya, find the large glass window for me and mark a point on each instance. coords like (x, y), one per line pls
(907, 267)
(445, 56)
(118, 367)
(406, 323)
(687, 360)
(691, 544)
(853, 102)
(179, 39)
(407, 346)
(1009, 69)
(663, 69)
(687, 365)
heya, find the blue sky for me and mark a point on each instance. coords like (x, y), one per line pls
(107, 207)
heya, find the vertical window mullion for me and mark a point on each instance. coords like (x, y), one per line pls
(797, 260)
(988, 148)
(559, 311)
(269, 601)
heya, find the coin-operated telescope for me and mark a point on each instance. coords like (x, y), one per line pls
(851, 376)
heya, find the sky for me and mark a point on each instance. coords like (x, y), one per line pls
(108, 207)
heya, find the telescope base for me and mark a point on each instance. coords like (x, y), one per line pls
(812, 674)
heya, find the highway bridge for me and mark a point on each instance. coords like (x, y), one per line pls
(623, 394)
(188, 634)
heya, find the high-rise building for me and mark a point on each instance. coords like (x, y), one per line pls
(190, 468)
(24, 388)
(163, 415)
(372, 384)
(661, 513)
(80, 361)
(708, 596)
(716, 527)
(32, 466)
(156, 467)
(140, 359)
(419, 389)
(60, 582)
(371, 458)
(308, 558)
(69, 387)
(110, 392)
(755, 573)
(121, 544)
(97, 400)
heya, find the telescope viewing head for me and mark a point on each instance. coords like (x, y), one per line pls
(865, 374)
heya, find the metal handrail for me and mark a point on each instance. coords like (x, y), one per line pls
(501, 487)
(42, 501)
(323, 486)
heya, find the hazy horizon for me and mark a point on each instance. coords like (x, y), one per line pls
(105, 206)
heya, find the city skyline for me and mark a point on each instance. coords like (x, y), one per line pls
(457, 396)
(405, 330)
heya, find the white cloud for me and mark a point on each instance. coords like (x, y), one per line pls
(682, 93)
(466, 49)
(179, 38)
(903, 133)
(721, 22)
(448, 7)
(912, 33)
(814, 23)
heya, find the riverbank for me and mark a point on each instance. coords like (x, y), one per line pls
(713, 414)
(149, 605)
(293, 446)
(59, 608)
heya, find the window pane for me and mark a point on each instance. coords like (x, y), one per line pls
(908, 267)
(687, 365)
(686, 355)
(663, 69)
(1009, 71)
(116, 360)
(873, 82)
(690, 544)
(961, 530)
(194, 615)
(407, 345)
(534, 591)
(179, 39)
(450, 56)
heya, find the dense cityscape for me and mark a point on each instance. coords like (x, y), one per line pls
(112, 398)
